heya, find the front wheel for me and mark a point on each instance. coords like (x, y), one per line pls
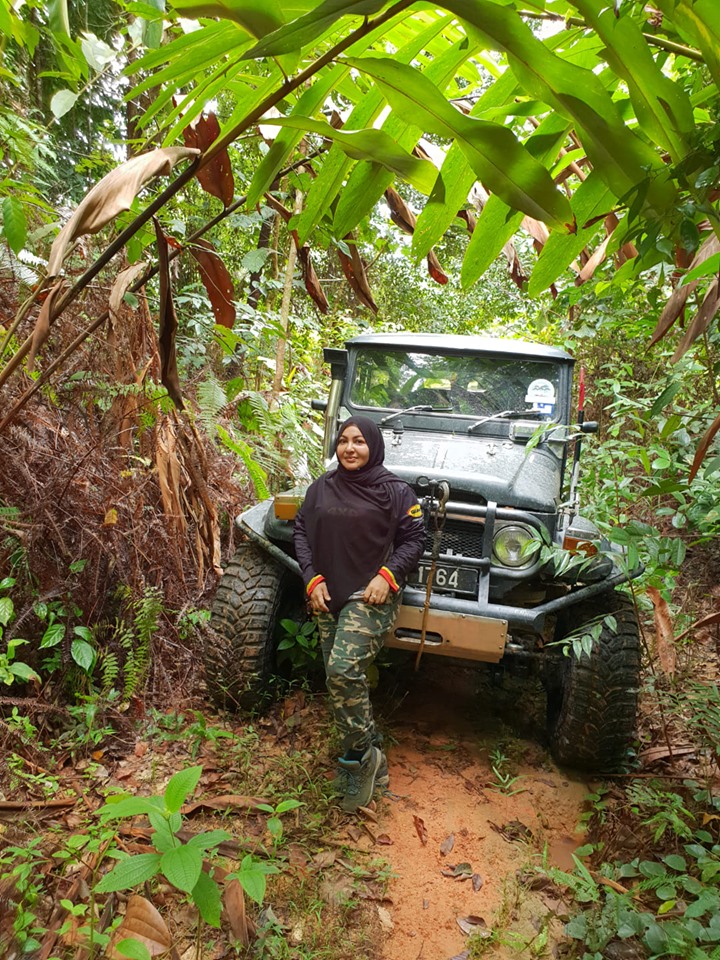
(592, 698)
(254, 594)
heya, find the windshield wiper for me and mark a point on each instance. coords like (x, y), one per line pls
(421, 408)
(508, 415)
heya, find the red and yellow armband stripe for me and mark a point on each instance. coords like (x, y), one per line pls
(387, 574)
(313, 583)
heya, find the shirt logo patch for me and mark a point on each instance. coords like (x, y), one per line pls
(415, 511)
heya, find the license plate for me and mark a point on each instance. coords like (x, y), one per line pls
(457, 579)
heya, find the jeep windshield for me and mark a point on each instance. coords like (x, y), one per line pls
(481, 387)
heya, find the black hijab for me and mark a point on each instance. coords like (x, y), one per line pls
(351, 518)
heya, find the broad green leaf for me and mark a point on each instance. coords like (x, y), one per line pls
(705, 269)
(52, 636)
(133, 949)
(183, 46)
(494, 153)
(288, 139)
(497, 222)
(662, 108)
(452, 187)
(373, 145)
(14, 223)
(259, 19)
(697, 22)
(182, 867)
(58, 16)
(130, 872)
(180, 786)
(367, 184)
(97, 53)
(493, 230)
(83, 654)
(152, 31)
(253, 877)
(62, 102)
(336, 165)
(206, 897)
(163, 839)
(129, 807)
(23, 671)
(209, 839)
(592, 199)
(619, 155)
(306, 29)
(7, 608)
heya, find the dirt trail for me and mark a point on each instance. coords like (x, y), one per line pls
(447, 726)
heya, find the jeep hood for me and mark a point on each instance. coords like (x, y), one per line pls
(493, 468)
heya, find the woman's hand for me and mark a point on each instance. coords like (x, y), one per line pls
(320, 598)
(376, 592)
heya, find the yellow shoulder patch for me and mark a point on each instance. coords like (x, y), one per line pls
(415, 510)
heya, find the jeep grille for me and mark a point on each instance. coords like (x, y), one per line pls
(461, 539)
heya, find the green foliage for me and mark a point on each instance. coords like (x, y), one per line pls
(300, 645)
(178, 862)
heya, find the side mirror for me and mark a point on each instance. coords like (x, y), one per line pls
(589, 426)
(319, 405)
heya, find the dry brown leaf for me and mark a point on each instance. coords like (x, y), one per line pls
(676, 302)
(217, 281)
(168, 323)
(311, 280)
(420, 829)
(142, 922)
(664, 634)
(354, 269)
(168, 474)
(324, 859)
(713, 617)
(386, 921)
(216, 177)
(477, 882)
(593, 262)
(122, 284)
(113, 194)
(447, 845)
(701, 320)
(435, 270)
(400, 213)
(225, 802)
(470, 220)
(234, 901)
(44, 321)
(704, 446)
(473, 925)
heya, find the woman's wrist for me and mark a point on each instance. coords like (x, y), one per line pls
(316, 580)
(388, 576)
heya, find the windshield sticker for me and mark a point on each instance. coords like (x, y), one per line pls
(541, 394)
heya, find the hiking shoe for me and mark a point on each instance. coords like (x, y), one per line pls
(360, 779)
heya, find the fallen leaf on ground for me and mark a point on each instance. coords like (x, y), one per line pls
(384, 839)
(143, 923)
(477, 882)
(514, 830)
(224, 802)
(324, 859)
(420, 829)
(473, 925)
(447, 845)
(234, 900)
(386, 921)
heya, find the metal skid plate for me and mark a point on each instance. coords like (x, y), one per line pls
(449, 634)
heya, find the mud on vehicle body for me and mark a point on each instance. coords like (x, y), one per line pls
(481, 429)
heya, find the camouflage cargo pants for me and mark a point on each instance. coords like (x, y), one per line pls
(349, 646)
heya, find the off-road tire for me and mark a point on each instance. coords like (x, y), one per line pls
(254, 594)
(592, 700)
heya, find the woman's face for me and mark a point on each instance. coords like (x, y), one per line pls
(352, 451)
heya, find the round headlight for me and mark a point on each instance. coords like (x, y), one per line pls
(511, 546)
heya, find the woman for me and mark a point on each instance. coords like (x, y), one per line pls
(357, 536)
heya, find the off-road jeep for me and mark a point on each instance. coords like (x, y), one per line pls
(481, 429)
